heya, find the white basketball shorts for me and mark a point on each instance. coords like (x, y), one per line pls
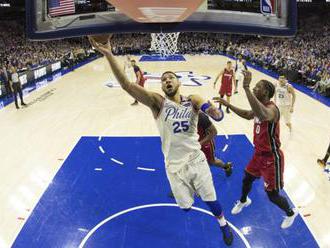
(240, 77)
(194, 177)
(285, 113)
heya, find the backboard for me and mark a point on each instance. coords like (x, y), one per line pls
(51, 19)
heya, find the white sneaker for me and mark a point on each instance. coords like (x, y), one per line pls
(240, 205)
(288, 220)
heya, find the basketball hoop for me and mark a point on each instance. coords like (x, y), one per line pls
(164, 44)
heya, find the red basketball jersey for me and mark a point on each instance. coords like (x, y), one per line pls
(227, 76)
(137, 69)
(266, 135)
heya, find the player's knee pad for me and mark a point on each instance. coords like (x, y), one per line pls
(215, 208)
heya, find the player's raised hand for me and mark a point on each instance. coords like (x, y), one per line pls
(221, 101)
(247, 79)
(104, 48)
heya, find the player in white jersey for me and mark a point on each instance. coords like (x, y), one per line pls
(129, 69)
(285, 98)
(176, 117)
(239, 68)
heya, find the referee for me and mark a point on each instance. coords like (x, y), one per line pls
(16, 86)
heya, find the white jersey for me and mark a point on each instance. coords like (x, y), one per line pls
(177, 124)
(127, 67)
(129, 71)
(283, 97)
(240, 67)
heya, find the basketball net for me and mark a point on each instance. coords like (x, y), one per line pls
(164, 44)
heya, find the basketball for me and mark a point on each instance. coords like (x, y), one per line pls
(101, 38)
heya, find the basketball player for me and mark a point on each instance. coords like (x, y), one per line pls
(227, 80)
(128, 67)
(139, 77)
(268, 159)
(207, 132)
(239, 68)
(323, 162)
(176, 117)
(285, 98)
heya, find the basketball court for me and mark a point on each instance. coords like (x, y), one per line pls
(81, 167)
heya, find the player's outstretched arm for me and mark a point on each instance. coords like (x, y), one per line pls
(261, 111)
(217, 78)
(211, 133)
(246, 114)
(293, 93)
(151, 99)
(207, 107)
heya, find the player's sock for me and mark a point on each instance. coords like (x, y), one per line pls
(222, 220)
(216, 210)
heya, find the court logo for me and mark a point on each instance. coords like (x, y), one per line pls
(187, 78)
(267, 7)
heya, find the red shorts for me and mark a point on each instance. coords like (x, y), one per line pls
(270, 166)
(225, 89)
(208, 150)
(141, 83)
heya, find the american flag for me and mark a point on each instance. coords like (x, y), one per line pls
(61, 7)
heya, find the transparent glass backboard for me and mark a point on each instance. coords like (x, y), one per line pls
(49, 19)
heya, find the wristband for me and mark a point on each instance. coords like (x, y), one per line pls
(205, 106)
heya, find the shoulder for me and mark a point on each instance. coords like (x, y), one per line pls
(289, 86)
(196, 101)
(272, 106)
(157, 105)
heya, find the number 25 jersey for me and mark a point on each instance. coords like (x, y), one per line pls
(177, 125)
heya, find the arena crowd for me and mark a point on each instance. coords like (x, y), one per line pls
(306, 57)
